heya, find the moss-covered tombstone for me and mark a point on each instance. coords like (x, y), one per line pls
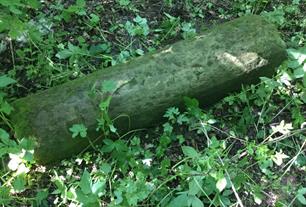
(206, 67)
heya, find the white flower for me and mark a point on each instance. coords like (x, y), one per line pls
(14, 162)
(282, 128)
(279, 157)
(22, 169)
(73, 205)
(147, 162)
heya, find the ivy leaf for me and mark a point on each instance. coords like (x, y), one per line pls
(85, 183)
(78, 129)
(5, 81)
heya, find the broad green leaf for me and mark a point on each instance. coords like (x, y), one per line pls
(59, 183)
(81, 3)
(106, 168)
(16, 27)
(108, 141)
(124, 2)
(4, 136)
(88, 200)
(94, 18)
(71, 193)
(119, 198)
(86, 183)
(6, 108)
(179, 201)
(27, 143)
(196, 202)
(301, 195)
(108, 86)
(139, 52)
(35, 4)
(299, 72)
(194, 187)
(5, 81)
(65, 53)
(191, 102)
(107, 148)
(258, 198)
(98, 187)
(19, 183)
(41, 196)
(190, 152)
(298, 54)
(112, 128)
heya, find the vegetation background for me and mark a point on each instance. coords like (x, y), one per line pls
(247, 150)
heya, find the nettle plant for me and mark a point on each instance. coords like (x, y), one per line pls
(18, 154)
(13, 17)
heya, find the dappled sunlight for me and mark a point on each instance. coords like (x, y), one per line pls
(247, 61)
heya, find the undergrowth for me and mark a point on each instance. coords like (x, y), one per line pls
(247, 150)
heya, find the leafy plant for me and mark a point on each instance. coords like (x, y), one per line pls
(13, 16)
(78, 130)
(140, 28)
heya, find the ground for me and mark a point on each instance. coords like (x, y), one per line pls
(247, 150)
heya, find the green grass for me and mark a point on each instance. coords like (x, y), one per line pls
(247, 150)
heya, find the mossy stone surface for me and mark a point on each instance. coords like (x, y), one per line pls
(207, 67)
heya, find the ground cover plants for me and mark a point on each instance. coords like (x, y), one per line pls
(247, 150)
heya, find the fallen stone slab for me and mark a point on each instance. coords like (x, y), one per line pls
(207, 67)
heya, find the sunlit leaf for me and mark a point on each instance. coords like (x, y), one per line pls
(86, 183)
(221, 184)
(190, 152)
(5, 81)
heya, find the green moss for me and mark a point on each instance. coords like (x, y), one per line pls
(207, 67)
